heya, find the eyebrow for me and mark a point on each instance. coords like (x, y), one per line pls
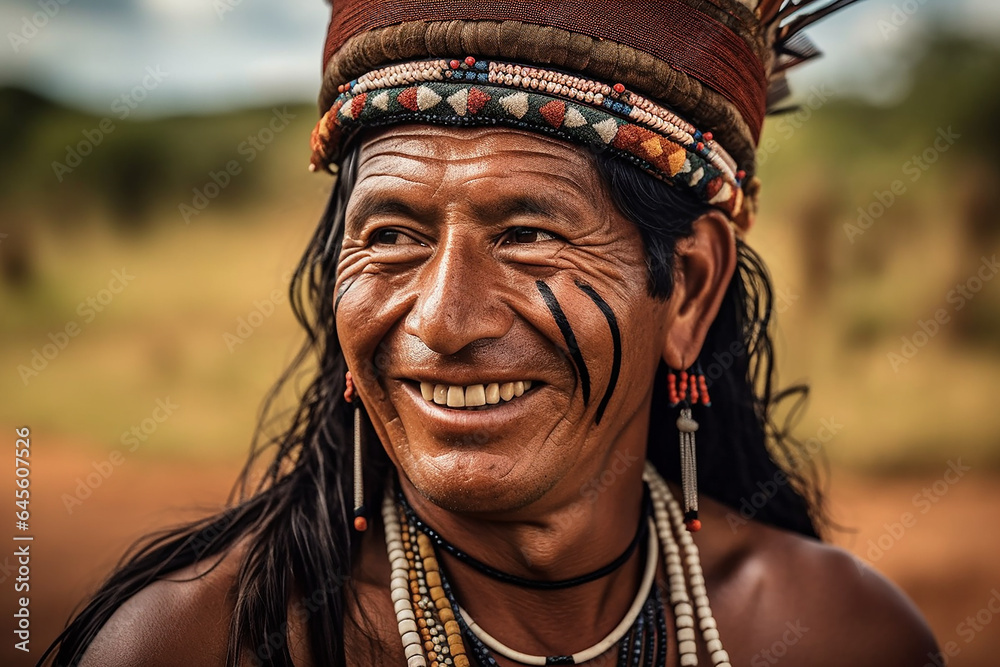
(369, 207)
(514, 207)
(490, 212)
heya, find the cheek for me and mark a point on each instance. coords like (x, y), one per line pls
(641, 320)
(614, 330)
(367, 308)
(609, 337)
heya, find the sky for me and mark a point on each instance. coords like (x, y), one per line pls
(212, 55)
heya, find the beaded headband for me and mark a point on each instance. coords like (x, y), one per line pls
(623, 76)
(582, 111)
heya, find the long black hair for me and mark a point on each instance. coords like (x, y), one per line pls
(296, 518)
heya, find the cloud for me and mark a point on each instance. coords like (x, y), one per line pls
(252, 53)
(870, 47)
(227, 53)
(181, 12)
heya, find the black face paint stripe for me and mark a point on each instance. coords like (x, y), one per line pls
(616, 341)
(567, 331)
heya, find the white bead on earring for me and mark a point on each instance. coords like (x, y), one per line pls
(686, 393)
(360, 518)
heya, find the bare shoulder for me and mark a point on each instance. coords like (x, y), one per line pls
(857, 615)
(184, 619)
(180, 619)
(785, 597)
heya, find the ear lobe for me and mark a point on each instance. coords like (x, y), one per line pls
(703, 268)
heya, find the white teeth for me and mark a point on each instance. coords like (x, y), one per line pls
(475, 395)
(456, 397)
(427, 391)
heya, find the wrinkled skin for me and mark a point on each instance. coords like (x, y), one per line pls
(447, 234)
(461, 247)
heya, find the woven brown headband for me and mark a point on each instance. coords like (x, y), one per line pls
(715, 64)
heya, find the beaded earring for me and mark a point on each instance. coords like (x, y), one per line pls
(360, 513)
(686, 392)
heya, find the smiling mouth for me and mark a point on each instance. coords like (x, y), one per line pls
(474, 395)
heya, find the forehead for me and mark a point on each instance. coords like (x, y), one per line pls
(421, 152)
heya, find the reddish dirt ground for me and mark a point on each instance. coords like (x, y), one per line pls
(945, 559)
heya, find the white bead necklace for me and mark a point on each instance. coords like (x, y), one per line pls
(648, 577)
(668, 519)
(399, 584)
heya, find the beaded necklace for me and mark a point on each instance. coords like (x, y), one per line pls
(435, 629)
(633, 620)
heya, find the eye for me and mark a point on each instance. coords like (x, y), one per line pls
(391, 236)
(525, 235)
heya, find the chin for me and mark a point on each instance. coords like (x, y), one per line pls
(477, 482)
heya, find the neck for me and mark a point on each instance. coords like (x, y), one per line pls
(588, 530)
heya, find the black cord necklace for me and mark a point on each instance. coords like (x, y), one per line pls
(645, 645)
(515, 580)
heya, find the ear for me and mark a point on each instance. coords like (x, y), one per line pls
(704, 263)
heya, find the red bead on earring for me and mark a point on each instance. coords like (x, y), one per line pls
(686, 392)
(674, 397)
(349, 387)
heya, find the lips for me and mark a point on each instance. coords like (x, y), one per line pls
(473, 395)
(438, 428)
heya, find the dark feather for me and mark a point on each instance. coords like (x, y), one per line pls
(800, 22)
(797, 46)
(777, 92)
(790, 7)
(794, 51)
(781, 111)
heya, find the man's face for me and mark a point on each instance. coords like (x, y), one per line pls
(493, 309)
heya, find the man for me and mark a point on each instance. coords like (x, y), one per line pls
(531, 277)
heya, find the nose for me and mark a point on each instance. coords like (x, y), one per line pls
(457, 303)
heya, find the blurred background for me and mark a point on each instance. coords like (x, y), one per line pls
(154, 198)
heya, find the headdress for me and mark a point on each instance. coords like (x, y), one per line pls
(679, 88)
